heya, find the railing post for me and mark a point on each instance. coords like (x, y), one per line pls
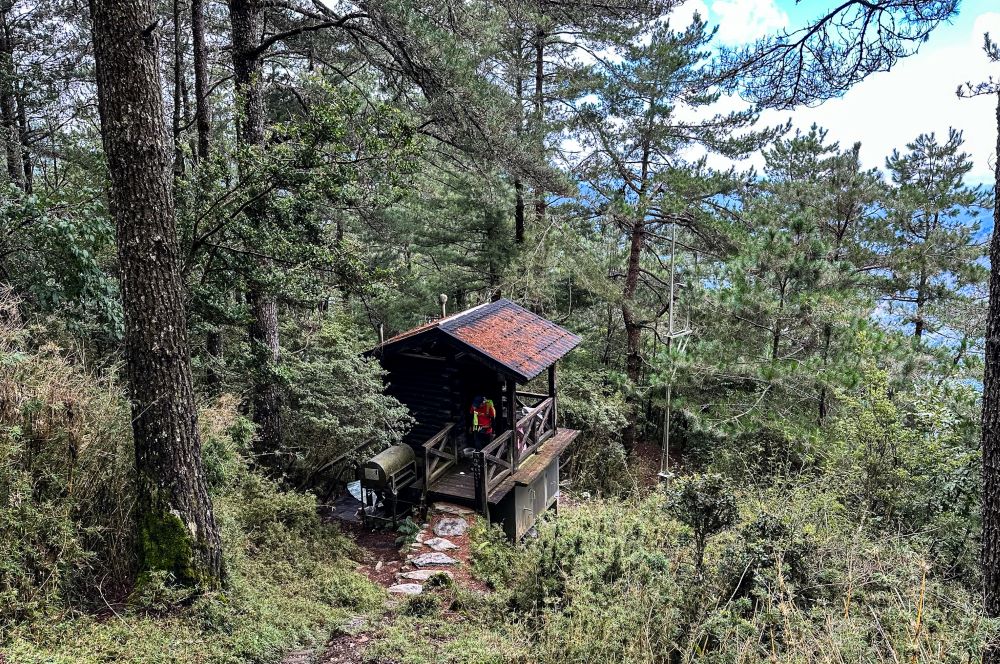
(479, 478)
(512, 456)
(553, 389)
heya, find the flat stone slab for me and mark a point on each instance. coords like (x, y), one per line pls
(451, 527)
(424, 574)
(429, 559)
(440, 544)
(452, 508)
(354, 625)
(406, 589)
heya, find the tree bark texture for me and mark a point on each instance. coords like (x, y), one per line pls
(176, 529)
(540, 116)
(633, 331)
(246, 18)
(8, 107)
(991, 434)
(266, 390)
(202, 112)
(176, 117)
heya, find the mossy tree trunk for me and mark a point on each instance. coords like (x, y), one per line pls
(176, 529)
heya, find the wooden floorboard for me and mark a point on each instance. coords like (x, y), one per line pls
(455, 484)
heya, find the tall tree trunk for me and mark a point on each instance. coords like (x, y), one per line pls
(518, 211)
(177, 532)
(633, 332)
(214, 341)
(22, 124)
(200, 55)
(178, 83)
(8, 110)
(266, 391)
(918, 317)
(518, 183)
(633, 356)
(991, 432)
(246, 20)
(540, 116)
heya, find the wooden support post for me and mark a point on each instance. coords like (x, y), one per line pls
(512, 423)
(511, 404)
(552, 395)
(482, 491)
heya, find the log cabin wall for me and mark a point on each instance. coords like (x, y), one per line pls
(429, 388)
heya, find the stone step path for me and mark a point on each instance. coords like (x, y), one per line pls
(425, 574)
(434, 552)
(445, 520)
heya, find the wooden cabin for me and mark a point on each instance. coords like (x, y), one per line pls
(493, 350)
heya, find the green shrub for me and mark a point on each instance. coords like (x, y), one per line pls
(706, 504)
(421, 605)
(408, 530)
(492, 553)
(594, 402)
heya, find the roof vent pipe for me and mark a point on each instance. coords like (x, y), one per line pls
(443, 299)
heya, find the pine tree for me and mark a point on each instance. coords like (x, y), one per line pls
(177, 532)
(931, 241)
(635, 148)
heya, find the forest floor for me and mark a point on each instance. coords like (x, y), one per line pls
(386, 563)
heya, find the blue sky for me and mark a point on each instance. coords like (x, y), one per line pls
(889, 109)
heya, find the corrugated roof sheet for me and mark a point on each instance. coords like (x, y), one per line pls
(523, 342)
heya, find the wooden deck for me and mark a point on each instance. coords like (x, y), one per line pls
(458, 483)
(531, 467)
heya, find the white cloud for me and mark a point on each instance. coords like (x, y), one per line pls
(682, 15)
(742, 21)
(890, 109)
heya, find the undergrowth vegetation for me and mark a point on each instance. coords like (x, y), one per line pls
(856, 543)
(794, 578)
(66, 582)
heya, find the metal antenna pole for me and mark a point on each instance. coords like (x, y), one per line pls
(665, 450)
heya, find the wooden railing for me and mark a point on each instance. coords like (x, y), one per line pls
(534, 429)
(497, 462)
(440, 454)
(530, 399)
(502, 457)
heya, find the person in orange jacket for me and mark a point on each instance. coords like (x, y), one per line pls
(483, 414)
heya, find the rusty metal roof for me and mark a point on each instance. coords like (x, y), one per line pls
(518, 340)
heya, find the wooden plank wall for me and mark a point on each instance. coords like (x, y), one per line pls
(429, 388)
